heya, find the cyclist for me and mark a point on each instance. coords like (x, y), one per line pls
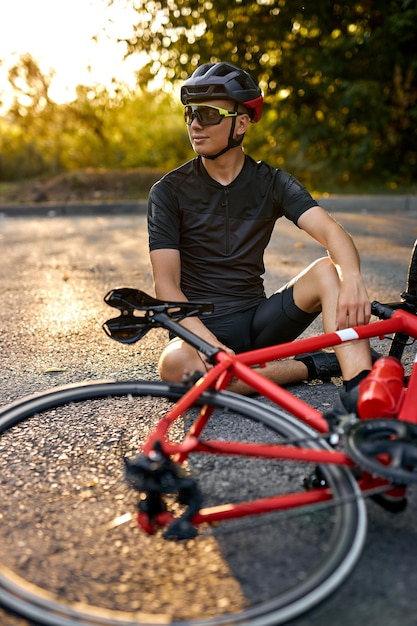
(209, 223)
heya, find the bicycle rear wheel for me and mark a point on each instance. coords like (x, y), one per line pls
(399, 341)
(71, 554)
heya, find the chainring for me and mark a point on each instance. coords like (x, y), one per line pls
(384, 447)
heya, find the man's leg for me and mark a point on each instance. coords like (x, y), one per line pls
(286, 314)
(318, 288)
(315, 290)
(179, 360)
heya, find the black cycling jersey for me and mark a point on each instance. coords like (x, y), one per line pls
(222, 231)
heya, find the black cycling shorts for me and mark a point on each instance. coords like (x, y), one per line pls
(275, 320)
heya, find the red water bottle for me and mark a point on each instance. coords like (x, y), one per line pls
(381, 392)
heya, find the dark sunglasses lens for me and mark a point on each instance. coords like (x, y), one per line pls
(206, 116)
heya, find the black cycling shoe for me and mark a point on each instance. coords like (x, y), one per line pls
(320, 365)
(323, 364)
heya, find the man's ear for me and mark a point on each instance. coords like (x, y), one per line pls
(242, 123)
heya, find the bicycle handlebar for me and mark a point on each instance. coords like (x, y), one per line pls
(382, 311)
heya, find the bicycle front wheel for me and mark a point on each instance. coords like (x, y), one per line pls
(72, 554)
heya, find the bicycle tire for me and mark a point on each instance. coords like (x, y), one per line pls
(399, 340)
(25, 427)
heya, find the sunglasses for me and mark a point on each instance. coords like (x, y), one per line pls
(207, 115)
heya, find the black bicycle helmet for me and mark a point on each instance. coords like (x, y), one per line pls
(225, 81)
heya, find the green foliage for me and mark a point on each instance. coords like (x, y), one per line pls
(339, 81)
(99, 129)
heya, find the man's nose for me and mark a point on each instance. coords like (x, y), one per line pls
(195, 118)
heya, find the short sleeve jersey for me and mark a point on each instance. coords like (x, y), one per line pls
(222, 231)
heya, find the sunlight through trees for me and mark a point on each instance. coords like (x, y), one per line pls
(339, 81)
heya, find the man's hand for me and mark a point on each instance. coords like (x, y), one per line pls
(353, 306)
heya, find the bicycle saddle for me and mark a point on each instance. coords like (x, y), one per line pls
(129, 299)
(129, 328)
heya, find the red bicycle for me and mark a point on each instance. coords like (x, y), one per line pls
(264, 502)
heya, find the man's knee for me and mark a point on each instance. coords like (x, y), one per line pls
(323, 267)
(329, 285)
(323, 275)
(314, 284)
(177, 360)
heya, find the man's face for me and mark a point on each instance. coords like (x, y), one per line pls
(208, 137)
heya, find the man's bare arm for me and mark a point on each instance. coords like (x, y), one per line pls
(353, 303)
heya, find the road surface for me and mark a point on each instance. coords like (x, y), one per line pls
(54, 274)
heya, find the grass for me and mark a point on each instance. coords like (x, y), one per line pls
(83, 185)
(134, 184)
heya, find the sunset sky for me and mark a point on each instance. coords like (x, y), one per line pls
(58, 34)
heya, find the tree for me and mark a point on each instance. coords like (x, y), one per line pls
(30, 87)
(339, 79)
(25, 142)
(103, 128)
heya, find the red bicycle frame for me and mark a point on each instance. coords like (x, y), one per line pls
(240, 366)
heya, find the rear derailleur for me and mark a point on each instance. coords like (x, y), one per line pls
(155, 475)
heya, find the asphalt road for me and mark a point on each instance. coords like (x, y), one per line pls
(54, 273)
